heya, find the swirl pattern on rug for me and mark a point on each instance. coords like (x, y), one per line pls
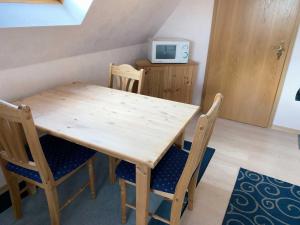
(261, 200)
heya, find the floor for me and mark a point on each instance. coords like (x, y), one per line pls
(270, 152)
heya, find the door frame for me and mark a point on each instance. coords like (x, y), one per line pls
(284, 71)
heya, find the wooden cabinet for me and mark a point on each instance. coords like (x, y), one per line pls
(169, 81)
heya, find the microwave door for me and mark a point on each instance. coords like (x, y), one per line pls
(166, 52)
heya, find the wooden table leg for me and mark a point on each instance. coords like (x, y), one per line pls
(179, 140)
(143, 174)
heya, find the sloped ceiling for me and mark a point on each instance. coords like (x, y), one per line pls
(108, 25)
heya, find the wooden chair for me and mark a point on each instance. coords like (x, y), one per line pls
(177, 172)
(123, 77)
(45, 162)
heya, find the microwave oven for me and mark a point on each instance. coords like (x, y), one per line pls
(169, 50)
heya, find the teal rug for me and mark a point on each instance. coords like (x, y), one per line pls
(104, 210)
(261, 200)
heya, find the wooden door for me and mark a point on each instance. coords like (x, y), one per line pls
(248, 50)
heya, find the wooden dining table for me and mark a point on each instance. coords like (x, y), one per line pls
(136, 128)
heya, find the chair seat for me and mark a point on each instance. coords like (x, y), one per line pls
(62, 156)
(165, 176)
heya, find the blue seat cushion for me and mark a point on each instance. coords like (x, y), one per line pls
(62, 156)
(165, 176)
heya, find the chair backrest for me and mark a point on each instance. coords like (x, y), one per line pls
(125, 77)
(203, 132)
(17, 131)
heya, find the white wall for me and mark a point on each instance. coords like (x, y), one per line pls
(24, 81)
(192, 20)
(288, 111)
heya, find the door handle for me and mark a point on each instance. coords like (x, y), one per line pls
(280, 49)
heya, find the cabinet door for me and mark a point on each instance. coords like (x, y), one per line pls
(153, 84)
(179, 83)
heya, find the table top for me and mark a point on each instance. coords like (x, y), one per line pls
(133, 127)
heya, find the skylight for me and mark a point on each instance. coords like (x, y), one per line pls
(30, 1)
(35, 13)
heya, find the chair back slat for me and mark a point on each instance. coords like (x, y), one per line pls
(9, 112)
(203, 132)
(17, 131)
(12, 139)
(123, 77)
(130, 85)
(4, 145)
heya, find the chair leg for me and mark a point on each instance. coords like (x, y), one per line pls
(191, 189)
(176, 210)
(123, 201)
(53, 204)
(112, 169)
(14, 192)
(92, 177)
(179, 141)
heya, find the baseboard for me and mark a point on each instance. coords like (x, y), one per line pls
(285, 129)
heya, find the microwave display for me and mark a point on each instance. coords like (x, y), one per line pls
(166, 52)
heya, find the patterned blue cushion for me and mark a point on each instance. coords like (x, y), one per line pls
(62, 156)
(165, 176)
